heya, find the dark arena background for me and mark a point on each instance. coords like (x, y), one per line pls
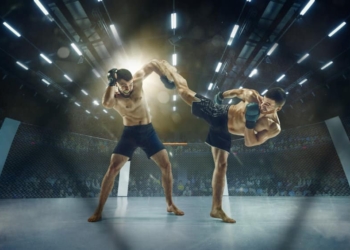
(56, 137)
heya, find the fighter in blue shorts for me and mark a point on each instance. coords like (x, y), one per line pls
(125, 95)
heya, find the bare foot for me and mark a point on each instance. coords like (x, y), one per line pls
(175, 210)
(95, 217)
(219, 213)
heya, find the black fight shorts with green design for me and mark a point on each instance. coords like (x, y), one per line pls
(217, 117)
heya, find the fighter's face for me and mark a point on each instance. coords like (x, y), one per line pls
(268, 105)
(125, 86)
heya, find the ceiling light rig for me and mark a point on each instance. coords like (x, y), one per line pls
(327, 65)
(273, 48)
(173, 21)
(43, 9)
(46, 58)
(337, 29)
(12, 29)
(307, 7)
(229, 43)
(22, 65)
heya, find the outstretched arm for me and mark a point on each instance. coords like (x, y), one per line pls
(248, 95)
(267, 129)
(153, 66)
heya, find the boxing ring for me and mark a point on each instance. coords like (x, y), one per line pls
(311, 213)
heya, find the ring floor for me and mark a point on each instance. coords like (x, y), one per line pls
(143, 223)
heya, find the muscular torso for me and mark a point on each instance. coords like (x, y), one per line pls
(236, 119)
(133, 109)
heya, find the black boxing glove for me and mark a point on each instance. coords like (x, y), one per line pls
(167, 83)
(112, 80)
(252, 114)
(219, 98)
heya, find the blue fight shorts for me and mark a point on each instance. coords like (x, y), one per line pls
(143, 136)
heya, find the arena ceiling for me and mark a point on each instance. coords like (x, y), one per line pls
(200, 41)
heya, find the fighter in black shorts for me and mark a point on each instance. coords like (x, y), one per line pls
(255, 118)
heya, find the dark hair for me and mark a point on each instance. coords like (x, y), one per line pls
(124, 74)
(278, 95)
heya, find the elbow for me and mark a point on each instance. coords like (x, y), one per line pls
(154, 64)
(107, 105)
(250, 144)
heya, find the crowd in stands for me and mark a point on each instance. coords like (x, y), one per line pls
(250, 184)
(58, 165)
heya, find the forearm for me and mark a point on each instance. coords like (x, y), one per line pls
(250, 138)
(108, 97)
(233, 93)
(243, 94)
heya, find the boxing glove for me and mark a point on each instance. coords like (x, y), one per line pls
(219, 98)
(252, 113)
(112, 80)
(167, 83)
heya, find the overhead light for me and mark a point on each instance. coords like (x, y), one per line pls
(307, 7)
(23, 66)
(68, 78)
(174, 108)
(61, 93)
(303, 58)
(272, 49)
(210, 86)
(233, 34)
(99, 0)
(41, 7)
(241, 87)
(87, 111)
(229, 102)
(65, 96)
(105, 111)
(77, 104)
(76, 49)
(96, 73)
(173, 21)
(12, 29)
(84, 92)
(46, 59)
(174, 97)
(280, 78)
(115, 34)
(174, 59)
(112, 117)
(249, 0)
(287, 93)
(254, 71)
(303, 81)
(96, 117)
(45, 81)
(263, 93)
(218, 67)
(336, 29)
(325, 66)
(95, 102)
